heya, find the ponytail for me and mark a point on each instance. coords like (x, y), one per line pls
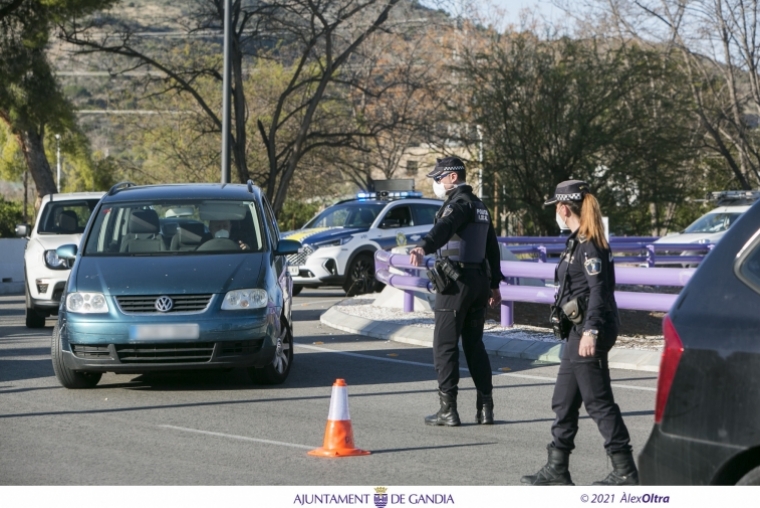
(592, 226)
(590, 214)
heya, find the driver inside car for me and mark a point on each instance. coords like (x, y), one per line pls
(221, 229)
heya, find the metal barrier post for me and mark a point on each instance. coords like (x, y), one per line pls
(507, 314)
(650, 255)
(408, 301)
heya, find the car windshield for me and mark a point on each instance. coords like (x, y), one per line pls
(176, 227)
(347, 215)
(713, 223)
(66, 217)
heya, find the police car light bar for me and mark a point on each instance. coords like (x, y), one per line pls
(388, 195)
(725, 197)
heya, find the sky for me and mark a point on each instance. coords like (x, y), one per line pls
(511, 9)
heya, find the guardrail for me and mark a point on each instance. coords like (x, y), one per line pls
(649, 253)
(410, 281)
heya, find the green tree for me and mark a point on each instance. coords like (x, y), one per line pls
(31, 103)
(560, 109)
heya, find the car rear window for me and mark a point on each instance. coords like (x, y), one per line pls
(66, 217)
(176, 227)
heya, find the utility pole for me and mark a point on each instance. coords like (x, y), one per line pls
(226, 96)
(480, 161)
(58, 161)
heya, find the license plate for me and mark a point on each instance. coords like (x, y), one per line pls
(293, 270)
(164, 332)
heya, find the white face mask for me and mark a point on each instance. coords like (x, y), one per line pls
(222, 233)
(439, 189)
(561, 222)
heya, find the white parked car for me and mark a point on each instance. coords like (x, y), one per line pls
(713, 225)
(61, 220)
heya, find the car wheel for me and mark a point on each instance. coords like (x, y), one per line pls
(33, 318)
(360, 276)
(296, 289)
(751, 478)
(67, 377)
(276, 372)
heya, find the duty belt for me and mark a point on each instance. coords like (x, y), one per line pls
(468, 265)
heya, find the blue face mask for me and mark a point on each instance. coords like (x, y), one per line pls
(222, 233)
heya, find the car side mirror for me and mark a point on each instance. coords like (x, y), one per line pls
(285, 247)
(68, 251)
(22, 230)
(390, 224)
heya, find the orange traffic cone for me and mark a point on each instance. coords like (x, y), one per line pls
(339, 437)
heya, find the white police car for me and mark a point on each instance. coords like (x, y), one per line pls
(338, 245)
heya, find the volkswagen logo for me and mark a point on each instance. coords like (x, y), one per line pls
(164, 304)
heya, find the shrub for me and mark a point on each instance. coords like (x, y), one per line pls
(11, 213)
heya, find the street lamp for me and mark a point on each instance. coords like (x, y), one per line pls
(58, 161)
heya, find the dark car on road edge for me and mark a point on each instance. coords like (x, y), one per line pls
(707, 412)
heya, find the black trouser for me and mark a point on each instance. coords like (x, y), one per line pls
(587, 380)
(462, 311)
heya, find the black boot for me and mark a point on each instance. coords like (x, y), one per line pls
(554, 472)
(624, 470)
(484, 416)
(447, 415)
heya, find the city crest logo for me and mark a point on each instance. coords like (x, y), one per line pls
(381, 498)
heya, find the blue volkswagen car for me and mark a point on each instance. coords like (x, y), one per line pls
(172, 277)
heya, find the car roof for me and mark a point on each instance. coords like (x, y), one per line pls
(182, 191)
(427, 201)
(729, 209)
(72, 196)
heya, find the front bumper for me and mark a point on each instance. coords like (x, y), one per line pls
(223, 339)
(323, 266)
(673, 460)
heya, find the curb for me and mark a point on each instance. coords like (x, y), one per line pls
(629, 359)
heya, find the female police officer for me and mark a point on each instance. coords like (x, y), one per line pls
(586, 277)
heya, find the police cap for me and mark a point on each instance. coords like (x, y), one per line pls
(569, 190)
(447, 165)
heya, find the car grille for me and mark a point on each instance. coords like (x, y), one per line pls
(91, 352)
(145, 304)
(300, 258)
(183, 352)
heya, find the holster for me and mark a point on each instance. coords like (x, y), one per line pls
(443, 275)
(561, 325)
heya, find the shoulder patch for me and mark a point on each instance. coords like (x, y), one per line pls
(593, 266)
(447, 211)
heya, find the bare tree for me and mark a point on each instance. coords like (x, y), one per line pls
(315, 37)
(717, 41)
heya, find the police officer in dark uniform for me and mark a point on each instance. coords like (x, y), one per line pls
(586, 315)
(463, 233)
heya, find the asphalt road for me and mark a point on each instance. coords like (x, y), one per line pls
(215, 428)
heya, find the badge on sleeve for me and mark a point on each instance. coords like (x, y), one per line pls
(593, 266)
(447, 211)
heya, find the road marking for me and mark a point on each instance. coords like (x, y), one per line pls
(233, 436)
(420, 364)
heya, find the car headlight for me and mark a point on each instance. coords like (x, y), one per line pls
(242, 299)
(336, 243)
(86, 303)
(53, 261)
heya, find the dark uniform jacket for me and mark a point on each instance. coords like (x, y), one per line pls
(462, 220)
(591, 276)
